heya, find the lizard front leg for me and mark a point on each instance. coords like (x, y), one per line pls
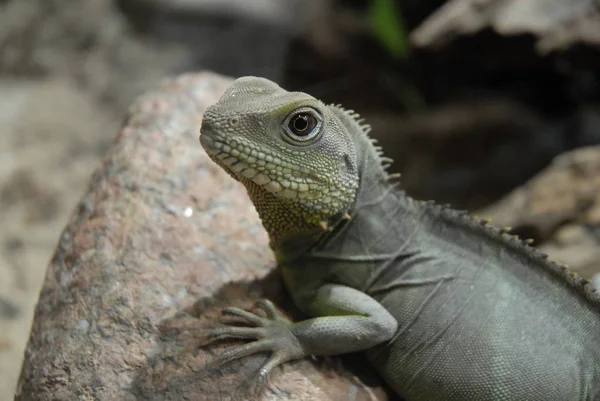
(346, 320)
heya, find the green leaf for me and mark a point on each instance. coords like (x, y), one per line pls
(388, 26)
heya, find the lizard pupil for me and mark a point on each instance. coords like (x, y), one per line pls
(302, 124)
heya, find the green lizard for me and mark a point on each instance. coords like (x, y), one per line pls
(444, 306)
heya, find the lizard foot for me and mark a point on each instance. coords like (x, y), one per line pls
(271, 333)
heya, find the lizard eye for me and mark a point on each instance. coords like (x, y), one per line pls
(302, 125)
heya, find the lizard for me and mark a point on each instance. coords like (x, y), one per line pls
(444, 305)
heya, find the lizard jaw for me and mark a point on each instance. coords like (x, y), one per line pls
(242, 166)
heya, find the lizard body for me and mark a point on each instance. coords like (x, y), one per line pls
(444, 306)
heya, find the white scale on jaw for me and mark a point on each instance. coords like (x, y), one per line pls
(285, 187)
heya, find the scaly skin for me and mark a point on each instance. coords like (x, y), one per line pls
(445, 307)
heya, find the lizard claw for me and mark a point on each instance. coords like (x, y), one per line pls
(272, 333)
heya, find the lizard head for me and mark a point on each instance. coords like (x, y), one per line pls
(293, 153)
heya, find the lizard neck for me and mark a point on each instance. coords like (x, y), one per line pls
(291, 233)
(380, 205)
(284, 220)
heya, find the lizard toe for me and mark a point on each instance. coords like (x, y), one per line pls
(247, 333)
(276, 359)
(269, 309)
(245, 316)
(278, 356)
(233, 353)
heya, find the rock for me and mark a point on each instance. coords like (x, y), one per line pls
(45, 165)
(89, 41)
(289, 14)
(556, 23)
(162, 240)
(5, 344)
(560, 209)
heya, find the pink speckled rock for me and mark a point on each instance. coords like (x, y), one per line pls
(162, 240)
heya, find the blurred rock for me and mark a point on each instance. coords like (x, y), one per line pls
(88, 41)
(162, 241)
(230, 36)
(51, 137)
(556, 23)
(323, 23)
(560, 209)
(292, 15)
(470, 153)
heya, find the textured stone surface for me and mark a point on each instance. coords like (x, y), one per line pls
(162, 240)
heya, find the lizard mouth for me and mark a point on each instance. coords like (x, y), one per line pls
(207, 142)
(246, 162)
